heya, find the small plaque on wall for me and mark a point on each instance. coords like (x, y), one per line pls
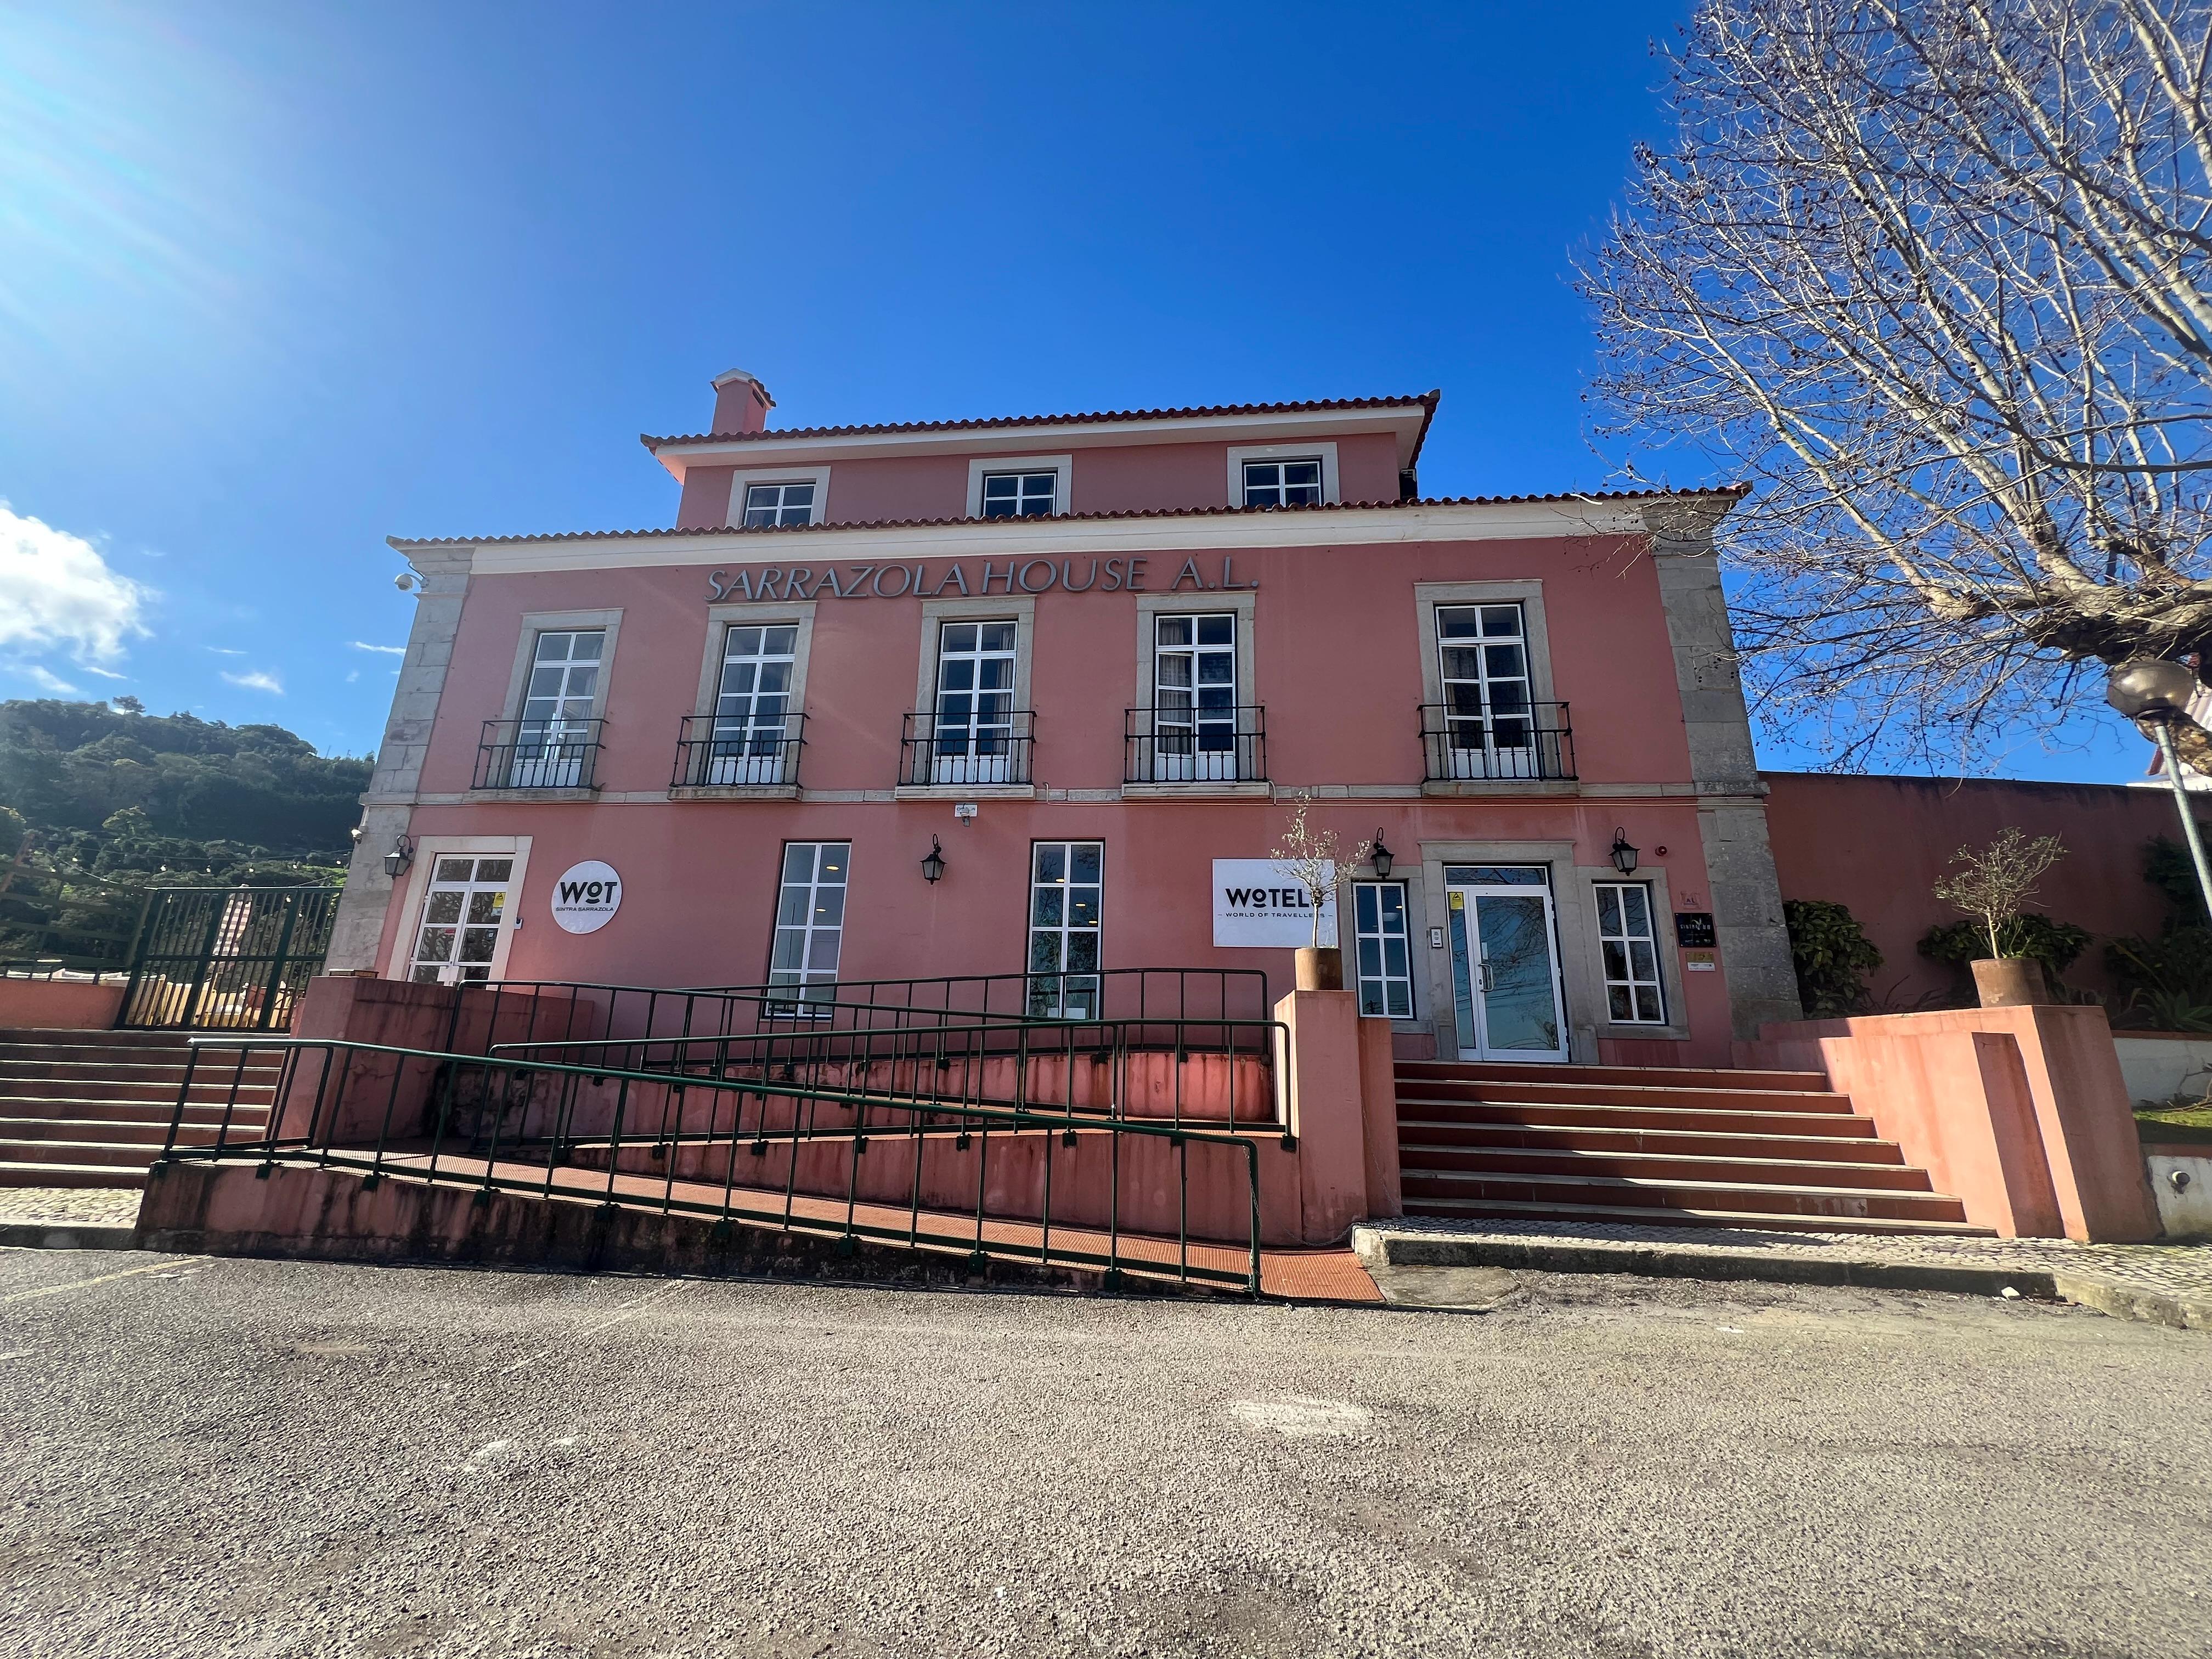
(1701, 961)
(1693, 930)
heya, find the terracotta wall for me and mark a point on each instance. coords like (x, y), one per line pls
(1878, 844)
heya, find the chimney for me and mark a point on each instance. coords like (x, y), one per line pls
(741, 402)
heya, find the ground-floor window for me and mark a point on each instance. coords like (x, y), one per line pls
(1633, 995)
(1384, 965)
(809, 921)
(462, 907)
(1067, 887)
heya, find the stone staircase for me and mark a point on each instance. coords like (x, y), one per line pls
(91, 1109)
(1654, 1147)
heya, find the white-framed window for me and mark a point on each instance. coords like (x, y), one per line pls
(552, 741)
(972, 727)
(769, 504)
(1629, 942)
(752, 706)
(1381, 950)
(1067, 901)
(1194, 698)
(1289, 483)
(1020, 495)
(464, 902)
(1482, 652)
(810, 921)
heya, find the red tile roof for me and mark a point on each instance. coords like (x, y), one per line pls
(1734, 491)
(1426, 400)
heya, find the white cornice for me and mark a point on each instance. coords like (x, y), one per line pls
(1086, 537)
(1402, 420)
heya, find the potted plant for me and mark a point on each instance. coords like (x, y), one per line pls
(1309, 857)
(1991, 886)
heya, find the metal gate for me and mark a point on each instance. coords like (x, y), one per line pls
(225, 958)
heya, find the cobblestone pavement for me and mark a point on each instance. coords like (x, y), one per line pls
(2172, 1270)
(295, 1459)
(88, 1206)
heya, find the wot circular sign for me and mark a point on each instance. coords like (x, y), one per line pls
(587, 897)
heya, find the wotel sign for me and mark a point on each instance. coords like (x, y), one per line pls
(587, 897)
(1258, 905)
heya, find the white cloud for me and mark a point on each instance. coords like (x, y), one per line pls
(352, 675)
(104, 673)
(45, 679)
(56, 590)
(256, 681)
(386, 650)
(223, 651)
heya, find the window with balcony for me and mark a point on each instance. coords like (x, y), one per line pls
(1489, 724)
(753, 737)
(1197, 729)
(552, 745)
(1283, 484)
(975, 734)
(767, 504)
(1019, 494)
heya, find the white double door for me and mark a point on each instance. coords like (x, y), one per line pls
(1506, 994)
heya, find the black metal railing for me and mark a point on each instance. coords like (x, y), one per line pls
(946, 750)
(555, 754)
(1205, 746)
(1479, 742)
(892, 1162)
(713, 753)
(483, 1015)
(225, 956)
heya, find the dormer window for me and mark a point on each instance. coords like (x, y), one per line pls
(1283, 484)
(1019, 494)
(767, 504)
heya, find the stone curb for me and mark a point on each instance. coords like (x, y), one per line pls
(66, 1236)
(1678, 1261)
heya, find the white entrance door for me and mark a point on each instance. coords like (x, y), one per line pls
(1504, 963)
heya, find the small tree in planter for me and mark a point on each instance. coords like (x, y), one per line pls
(1992, 886)
(1310, 857)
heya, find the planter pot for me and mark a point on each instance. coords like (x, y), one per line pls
(1321, 969)
(2010, 983)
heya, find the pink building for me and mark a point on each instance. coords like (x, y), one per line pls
(1087, 661)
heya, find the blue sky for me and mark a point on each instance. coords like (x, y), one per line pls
(278, 281)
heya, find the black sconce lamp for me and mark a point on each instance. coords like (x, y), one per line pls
(933, 864)
(401, 855)
(1383, 859)
(1624, 855)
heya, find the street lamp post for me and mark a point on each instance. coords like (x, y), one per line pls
(2154, 692)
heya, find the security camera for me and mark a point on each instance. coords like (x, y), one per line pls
(404, 581)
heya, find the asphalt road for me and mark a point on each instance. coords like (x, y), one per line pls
(277, 1459)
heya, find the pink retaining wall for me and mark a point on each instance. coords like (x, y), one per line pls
(57, 1005)
(1880, 844)
(2019, 1113)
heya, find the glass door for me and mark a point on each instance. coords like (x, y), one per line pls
(1195, 700)
(1504, 963)
(462, 904)
(974, 726)
(752, 707)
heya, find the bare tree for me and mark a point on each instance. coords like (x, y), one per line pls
(1934, 277)
(1310, 857)
(1994, 885)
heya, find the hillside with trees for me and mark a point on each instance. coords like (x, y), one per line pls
(100, 802)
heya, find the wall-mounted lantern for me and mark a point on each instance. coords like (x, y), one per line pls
(1383, 858)
(1624, 855)
(933, 863)
(401, 855)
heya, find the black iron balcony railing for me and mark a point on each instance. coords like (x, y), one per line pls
(951, 748)
(1475, 742)
(555, 754)
(1200, 746)
(715, 753)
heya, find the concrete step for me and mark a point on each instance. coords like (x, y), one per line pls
(1420, 1160)
(1476, 1211)
(1842, 1206)
(1690, 1142)
(1725, 1121)
(91, 1086)
(48, 1064)
(1627, 1094)
(1683, 1077)
(76, 1154)
(94, 1131)
(68, 1174)
(137, 1111)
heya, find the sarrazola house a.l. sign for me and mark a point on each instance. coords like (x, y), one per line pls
(1259, 903)
(587, 897)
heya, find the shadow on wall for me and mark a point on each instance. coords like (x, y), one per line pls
(1879, 845)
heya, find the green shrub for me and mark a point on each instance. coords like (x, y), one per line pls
(1832, 954)
(2056, 944)
(2168, 868)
